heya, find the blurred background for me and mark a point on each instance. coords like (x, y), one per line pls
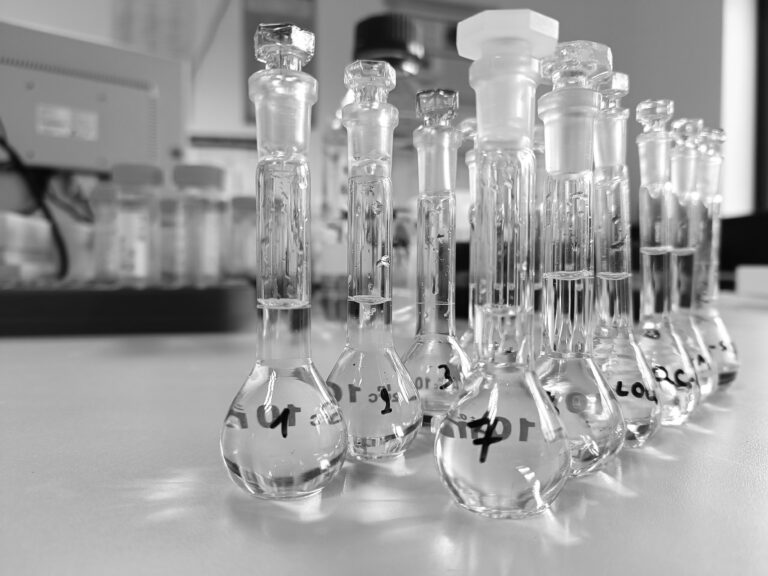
(101, 101)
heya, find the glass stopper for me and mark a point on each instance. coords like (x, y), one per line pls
(579, 63)
(283, 45)
(437, 107)
(654, 114)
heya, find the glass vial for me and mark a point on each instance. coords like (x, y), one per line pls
(375, 391)
(106, 246)
(138, 223)
(284, 435)
(202, 187)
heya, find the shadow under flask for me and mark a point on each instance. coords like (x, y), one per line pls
(284, 435)
(706, 316)
(380, 402)
(436, 362)
(501, 450)
(678, 388)
(617, 353)
(588, 408)
(685, 200)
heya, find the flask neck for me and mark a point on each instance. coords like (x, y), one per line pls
(505, 87)
(653, 149)
(569, 125)
(437, 149)
(370, 129)
(610, 145)
(683, 173)
(283, 102)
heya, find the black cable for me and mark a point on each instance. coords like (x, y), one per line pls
(37, 185)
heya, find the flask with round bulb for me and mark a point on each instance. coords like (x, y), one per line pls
(685, 236)
(501, 450)
(436, 362)
(588, 408)
(617, 353)
(284, 436)
(379, 399)
(706, 316)
(678, 387)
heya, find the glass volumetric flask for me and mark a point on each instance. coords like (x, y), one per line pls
(617, 353)
(468, 128)
(501, 450)
(378, 396)
(678, 388)
(568, 371)
(436, 362)
(284, 435)
(706, 316)
(685, 200)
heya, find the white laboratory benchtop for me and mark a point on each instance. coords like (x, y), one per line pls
(109, 464)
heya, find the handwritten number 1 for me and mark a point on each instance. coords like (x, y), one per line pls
(384, 393)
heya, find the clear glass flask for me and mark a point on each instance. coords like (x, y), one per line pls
(588, 408)
(616, 350)
(468, 129)
(678, 388)
(684, 201)
(706, 316)
(378, 396)
(436, 362)
(501, 450)
(284, 435)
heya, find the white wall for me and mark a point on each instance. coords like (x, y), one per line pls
(739, 94)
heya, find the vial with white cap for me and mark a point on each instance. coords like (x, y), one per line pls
(202, 187)
(501, 449)
(568, 371)
(137, 223)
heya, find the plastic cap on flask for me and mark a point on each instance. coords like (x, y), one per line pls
(506, 46)
(483, 33)
(137, 175)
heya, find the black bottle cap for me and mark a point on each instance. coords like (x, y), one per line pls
(394, 38)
